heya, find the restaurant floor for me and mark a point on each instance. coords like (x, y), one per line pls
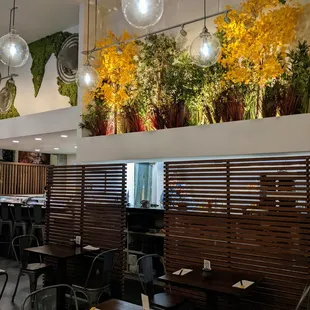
(132, 288)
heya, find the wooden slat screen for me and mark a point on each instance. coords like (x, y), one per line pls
(22, 179)
(242, 214)
(88, 201)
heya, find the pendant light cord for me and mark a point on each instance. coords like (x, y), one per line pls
(88, 6)
(205, 13)
(96, 13)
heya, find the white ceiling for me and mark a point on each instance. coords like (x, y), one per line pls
(36, 19)
(46, 145)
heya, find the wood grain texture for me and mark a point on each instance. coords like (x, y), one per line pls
(88, 201)
(22, 179)
(242, 214)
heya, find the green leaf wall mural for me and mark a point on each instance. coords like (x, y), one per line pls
(12, 112)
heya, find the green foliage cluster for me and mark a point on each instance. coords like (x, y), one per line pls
(68, 90)
(41, 51)
(13, 111)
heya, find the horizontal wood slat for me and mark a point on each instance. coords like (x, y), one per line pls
(22, 179)
(243, 214)
(88, 201)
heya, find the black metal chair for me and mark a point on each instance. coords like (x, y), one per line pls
(305, 294)
(32, 270)
(46, 299)
(99, 277)
(3, 273)
(16, 210)
(6, 221)
(37, 222)
(147, 276)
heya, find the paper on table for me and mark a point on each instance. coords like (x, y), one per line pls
(145, 302)
(245, 285)
(182, 272)
(90, 248)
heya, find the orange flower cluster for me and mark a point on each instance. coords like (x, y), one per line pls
(117, 71)
(257, 37)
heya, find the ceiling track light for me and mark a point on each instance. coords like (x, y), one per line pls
(205, 50)
(14, 51)
(87, 77)
(227, 19)
(156, 32)
(183, 31)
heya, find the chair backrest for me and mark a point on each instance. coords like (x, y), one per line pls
(5, 211)
(17, 212)
(147, 273)
(37, 214)
(23, 242)
(305, 294)
(100, 272)
(46, 298)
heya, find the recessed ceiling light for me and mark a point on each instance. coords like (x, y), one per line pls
(75, 147)
(38, 139)
(15, 141)
(64, 136)
(56, 148)
(37, 150)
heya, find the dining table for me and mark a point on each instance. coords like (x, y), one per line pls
(61, 253)
(216, 283)
(116, 304)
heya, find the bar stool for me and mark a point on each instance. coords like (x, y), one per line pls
(3, 273)
(38, 222)
(16, 211)
(6, 221)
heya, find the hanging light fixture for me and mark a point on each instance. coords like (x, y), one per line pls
(143, 13)
(14, 50)
(87, 77)
(206, 48)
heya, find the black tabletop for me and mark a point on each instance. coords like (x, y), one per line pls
(57, 251)
(219, 281)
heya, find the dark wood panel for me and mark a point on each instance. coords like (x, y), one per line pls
(88, 201)
(243, 214)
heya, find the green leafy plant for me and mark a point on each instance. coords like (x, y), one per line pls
(97, 120)
(68, 90)
(12, 111)
(41, 51)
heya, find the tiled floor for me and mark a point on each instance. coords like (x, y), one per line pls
(23, 290)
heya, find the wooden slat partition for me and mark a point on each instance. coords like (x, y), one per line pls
(242, 214)
(22, 179)
(88, 201)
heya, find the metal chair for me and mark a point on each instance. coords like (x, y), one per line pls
(16, 211)
(6, 221)
(305, 294)
(37, 223)
(3, 273)
(99, 277)
(33, 270)
(165, 300)
(46, 299)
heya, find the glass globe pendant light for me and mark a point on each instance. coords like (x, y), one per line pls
(14, 50)
(143, 13)
(205, 50)
(87, 76)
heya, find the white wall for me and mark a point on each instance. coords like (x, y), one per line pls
(48, 98)
(263, 136)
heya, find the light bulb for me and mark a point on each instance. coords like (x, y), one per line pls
(205, 49)
(87, 77)
(14, 51)
(143, 13)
